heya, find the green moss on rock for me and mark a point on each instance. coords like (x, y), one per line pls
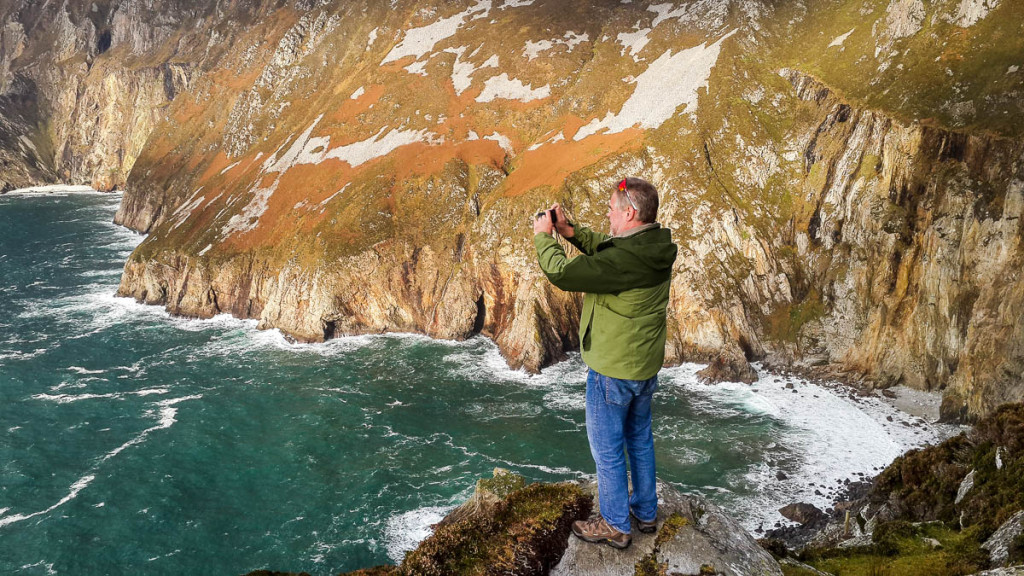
(525, 533)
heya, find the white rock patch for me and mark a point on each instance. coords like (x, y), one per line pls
(838, 40)
(970, 12)
(634, 41)
(420, 41)
(359, 92)
(668, 83)
(377, 146)
(904, 18)
(417, 68)
(228, 169)
(371, 39)
(533, 49)
(511, 89)
(502, 141)
(570, 40)
(462, 72)
(664, 12)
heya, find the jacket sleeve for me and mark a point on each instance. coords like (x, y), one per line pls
(586, 240)
(597, 274)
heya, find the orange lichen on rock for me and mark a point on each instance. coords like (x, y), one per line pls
(552, 163)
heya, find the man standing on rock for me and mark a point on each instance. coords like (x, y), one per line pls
(626, 279)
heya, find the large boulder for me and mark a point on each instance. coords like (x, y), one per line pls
(1002, 544)
(694, 537)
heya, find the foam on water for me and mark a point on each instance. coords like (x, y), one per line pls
(166, 419)
(836, 438)
(406, 530)
(77, 487)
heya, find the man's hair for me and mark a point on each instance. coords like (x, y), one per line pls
(644, 196)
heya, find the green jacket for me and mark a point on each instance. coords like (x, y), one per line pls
(626, 280)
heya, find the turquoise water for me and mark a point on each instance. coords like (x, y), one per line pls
(131, 441)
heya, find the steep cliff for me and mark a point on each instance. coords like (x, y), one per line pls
(87, 83)
(844, 178)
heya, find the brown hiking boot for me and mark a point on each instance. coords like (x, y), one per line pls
(645, 527)
(598, 531)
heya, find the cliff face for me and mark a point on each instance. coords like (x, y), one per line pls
(87, 83)
(843, 178)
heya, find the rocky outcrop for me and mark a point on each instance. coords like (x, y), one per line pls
(919, 501)
(508, 527)
(693, 537)
(1004, 545)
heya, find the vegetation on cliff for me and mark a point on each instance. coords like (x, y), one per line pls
(934, 510)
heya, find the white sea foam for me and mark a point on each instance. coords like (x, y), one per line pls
(833, 437)
(77, 487)
(165, 419)
(55, 188)
(80, 370)
(405, 531)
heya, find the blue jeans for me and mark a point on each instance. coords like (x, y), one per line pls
(619, 417)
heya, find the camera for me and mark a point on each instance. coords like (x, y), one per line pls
(552, 213)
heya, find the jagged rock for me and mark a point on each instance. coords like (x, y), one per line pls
(523, 532)
(1009, 571)
(802, 513)
(965, 487)
(728, 369)
(693, 534)
(1000, 543)
(803, 567)
(489, 492)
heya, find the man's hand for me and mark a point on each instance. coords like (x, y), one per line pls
(542, 223)
(564, 229)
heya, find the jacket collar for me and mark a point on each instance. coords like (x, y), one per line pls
(638, 229)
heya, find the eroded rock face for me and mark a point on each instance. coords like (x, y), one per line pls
(94, 80)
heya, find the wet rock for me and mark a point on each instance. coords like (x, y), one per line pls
(728, 368)
(780, 475)
(802, 512)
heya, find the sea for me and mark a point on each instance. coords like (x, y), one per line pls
(132, 441)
